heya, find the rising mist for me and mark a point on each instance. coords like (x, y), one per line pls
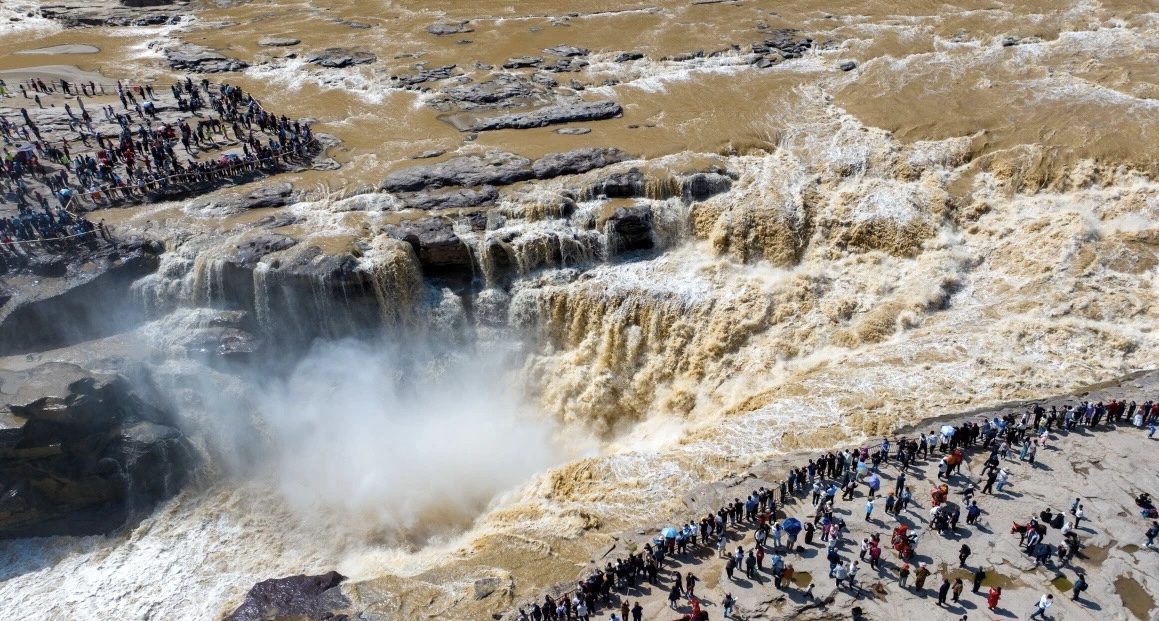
(400, 444)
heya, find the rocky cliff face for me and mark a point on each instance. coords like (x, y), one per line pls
(90, 299)
(81, 453)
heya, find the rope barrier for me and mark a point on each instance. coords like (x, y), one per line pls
(244, 163)
(47, 239)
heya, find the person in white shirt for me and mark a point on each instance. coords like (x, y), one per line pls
(1043, 603)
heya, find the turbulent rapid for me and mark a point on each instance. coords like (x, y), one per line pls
(808, 225)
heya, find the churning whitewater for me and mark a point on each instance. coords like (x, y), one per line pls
(442, 296)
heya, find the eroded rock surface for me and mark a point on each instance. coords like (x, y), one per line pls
(562, 113)
(295, 597)
(82, 452)
(200, 59)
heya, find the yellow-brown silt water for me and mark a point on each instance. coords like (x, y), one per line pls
(935, 207)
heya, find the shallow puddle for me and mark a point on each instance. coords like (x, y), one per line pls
(802, 578)
(1134, 597)
(995, 579)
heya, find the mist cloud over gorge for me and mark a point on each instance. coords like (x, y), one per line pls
(402, 444)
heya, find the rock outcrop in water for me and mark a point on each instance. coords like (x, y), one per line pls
(498, 168)
(339, 57)
(551, 115)
(83, 452)
(296, 597)
(113, 12)
(200, 59)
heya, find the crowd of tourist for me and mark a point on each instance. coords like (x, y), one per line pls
(819, 481)
(86, 168)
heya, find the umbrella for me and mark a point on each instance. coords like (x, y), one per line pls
(792, 526)
(873, 481)
(668, 533)
(26, 149)
(947, 430)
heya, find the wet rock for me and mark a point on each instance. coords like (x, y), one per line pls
(439, 249)
(501, 89)
(848, 65)
(325, 163)
(48, 265)
(496, 168)
(565, 65)
(567, 50)
(425, 155)
(250, 252)
(630, 228)
(522, 61)
(624, 57)
(453, 199)
(92, 303)
(200, 59)
(484, 587)
(582, 111)
(701, 186)
(786, 43)
(409, 80)
(112, 12)
(339, 57)
(278, 42)
(84, 454)
(444, 29)
(631, 184)
(359, 25)
(297, 597)
(576, 162)
(573, 131)
(540, 77)
(272, 195)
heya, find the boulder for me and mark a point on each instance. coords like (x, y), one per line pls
(704, 185)
(200, 59)
(582, 111)
(272, 195)
(444, 29)
(567, 51)
(408, 80)
(209, 334)
(631, 184)
(630, 228)
(112, 12)
(576, 161)
(786, 43)
(495, 168)
(624, 57)
(249, 252)
(296, 597)
(520, 62)
(426, 155)
(278, 42)
(339, 57)
(440, 251)
(85, 453)
(504, 87)
(573, 131)
(453, 199)
(848, 65)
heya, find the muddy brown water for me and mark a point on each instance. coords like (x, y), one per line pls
(1134, 597)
